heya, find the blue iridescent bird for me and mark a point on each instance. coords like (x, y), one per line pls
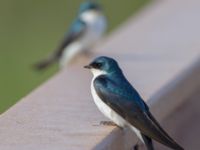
(86, 30)
(117, 99)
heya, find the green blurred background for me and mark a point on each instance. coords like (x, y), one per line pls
(30, 29)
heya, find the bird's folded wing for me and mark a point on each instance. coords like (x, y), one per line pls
(126, 105)
(76, 31)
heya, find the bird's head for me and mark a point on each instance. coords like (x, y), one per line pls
(89, 5)
(103, 65)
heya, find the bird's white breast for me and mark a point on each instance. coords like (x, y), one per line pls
(70, 52)
(96, 25)
(104, 108)
(107, 111)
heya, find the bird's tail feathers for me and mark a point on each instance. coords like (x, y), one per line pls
(45, 63)
(148, 142)
(164, 138)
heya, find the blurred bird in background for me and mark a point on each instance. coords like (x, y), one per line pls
(86, 30)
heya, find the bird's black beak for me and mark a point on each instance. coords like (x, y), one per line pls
(87, 67)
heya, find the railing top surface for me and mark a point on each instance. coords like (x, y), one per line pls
(153, 48)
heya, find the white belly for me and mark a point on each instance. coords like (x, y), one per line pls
(74, 49)
(106, 110)
(96, 27)
(111, 114)
(69, 53)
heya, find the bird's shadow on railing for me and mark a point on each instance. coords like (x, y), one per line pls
(118, 139)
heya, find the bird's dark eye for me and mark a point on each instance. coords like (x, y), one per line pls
(97, 65)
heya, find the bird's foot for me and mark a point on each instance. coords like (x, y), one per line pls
(107, 123)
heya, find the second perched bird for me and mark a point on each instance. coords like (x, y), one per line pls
(121, 103)
(85, 31)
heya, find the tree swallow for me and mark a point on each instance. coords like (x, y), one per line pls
(85, 32)
(117, 99)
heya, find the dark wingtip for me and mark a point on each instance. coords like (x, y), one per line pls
(176, 146)
(180, 148)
